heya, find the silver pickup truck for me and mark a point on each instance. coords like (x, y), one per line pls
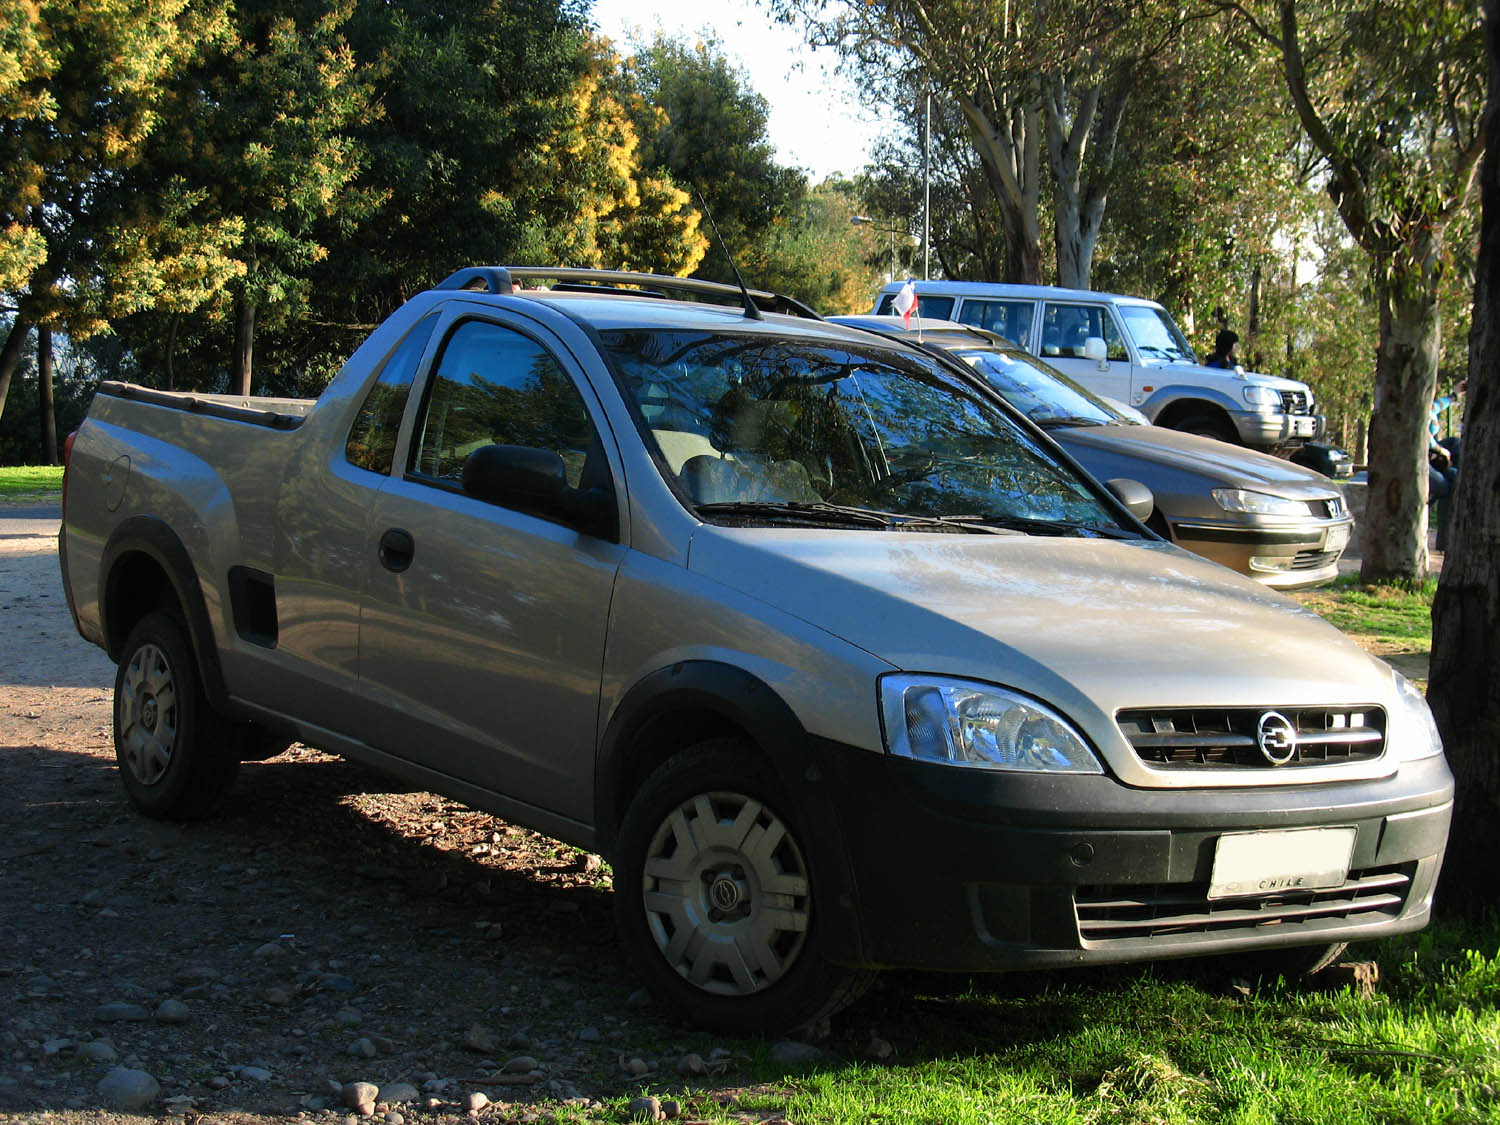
(840, 661)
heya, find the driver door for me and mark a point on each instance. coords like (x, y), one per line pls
(1065, 327)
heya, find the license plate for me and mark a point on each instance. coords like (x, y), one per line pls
(1268, 863)
(1336, 538)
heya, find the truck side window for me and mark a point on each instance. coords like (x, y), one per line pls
(492, 385)
(1011, 319)
(1066, 327)
(372, 438)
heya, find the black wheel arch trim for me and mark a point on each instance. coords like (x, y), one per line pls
(800, 761)
(153, 537)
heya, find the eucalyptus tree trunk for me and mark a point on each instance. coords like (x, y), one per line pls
(244, 346)
(47, 415)
(1465, 686)
(1082, 130)
(1010, 148)
(11, 354)
(1395, 527)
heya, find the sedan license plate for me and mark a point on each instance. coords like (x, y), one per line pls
(1267, 863)
(1337, 538)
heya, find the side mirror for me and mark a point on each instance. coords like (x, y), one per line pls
(1134, 495)
(536, 481)
(1095, 349)
(515, 475)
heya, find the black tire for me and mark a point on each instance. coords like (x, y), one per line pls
(177, 757)
(1208, 425)
(702, 846)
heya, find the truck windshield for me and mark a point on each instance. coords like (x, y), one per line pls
(1155, 335)
(752, 426)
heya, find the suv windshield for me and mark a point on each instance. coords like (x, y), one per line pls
(1155, 335)
(761, 428)
(1044, 395)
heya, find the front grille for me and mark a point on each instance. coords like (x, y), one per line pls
(1120, 913)
(1313, 560)
(1294, 402)
(1330, 509)
(1226, 738)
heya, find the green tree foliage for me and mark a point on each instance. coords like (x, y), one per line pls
(82, 87)
(1390, 94)
(815, 255)
(703, 129)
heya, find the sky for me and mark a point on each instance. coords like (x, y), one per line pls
(818, 122)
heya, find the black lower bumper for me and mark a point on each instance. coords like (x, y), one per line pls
(962, 869)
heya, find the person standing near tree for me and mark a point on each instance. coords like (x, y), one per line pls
(1223, 353)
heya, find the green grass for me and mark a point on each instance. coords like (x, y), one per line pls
(1391, 615)
(1157, 1045)
(30, 482)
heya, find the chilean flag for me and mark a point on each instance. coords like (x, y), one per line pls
(906, 303)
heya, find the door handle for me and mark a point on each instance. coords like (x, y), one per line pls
(396, 549)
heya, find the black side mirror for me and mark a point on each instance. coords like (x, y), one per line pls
(1134, 495)
(536, 481)
(515, 475)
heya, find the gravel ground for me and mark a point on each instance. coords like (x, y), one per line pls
(325, 930)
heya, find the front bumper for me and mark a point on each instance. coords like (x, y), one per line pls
(1269, 430)
(1284, 558)
(957, 869)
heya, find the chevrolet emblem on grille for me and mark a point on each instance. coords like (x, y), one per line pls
(1276, 737)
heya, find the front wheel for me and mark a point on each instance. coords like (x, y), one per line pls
(717, 896)
(1209, 426)
(177, 757)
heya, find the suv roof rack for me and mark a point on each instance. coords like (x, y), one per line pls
(502, 279)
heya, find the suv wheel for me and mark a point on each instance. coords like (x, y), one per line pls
(177, 756)
(716, 896)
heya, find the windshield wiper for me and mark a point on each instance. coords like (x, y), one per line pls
(1069, 420)
(1034, 526)
(834, 514)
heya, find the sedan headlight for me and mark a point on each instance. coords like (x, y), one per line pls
(1257, 394)
(1414, 734)
(1244, 501)
(938, 719)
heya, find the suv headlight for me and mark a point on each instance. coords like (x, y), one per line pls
(1257, 503)
(938, 719)
(1414, 734)
(1257, 394)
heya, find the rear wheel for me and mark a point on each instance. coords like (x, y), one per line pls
(177, 757)
(717, 896)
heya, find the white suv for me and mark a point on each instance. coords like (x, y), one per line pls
(1128, 349)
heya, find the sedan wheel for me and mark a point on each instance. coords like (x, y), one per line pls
(726, 893)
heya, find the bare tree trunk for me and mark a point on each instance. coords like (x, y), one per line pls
(1081, 142)
(48, 416)
(11, 353)
(1010, 152)
(1465, 685)
(244, 346)
(1395, 531)
(172, 350)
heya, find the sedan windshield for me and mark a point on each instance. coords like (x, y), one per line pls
(1155, 335)
(761, 428)
(1046, 396)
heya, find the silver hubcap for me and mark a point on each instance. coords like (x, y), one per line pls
(148, 715)
(726, 893)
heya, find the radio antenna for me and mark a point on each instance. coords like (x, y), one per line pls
(752, 310)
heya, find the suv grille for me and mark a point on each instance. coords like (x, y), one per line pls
(1119, 913)
(1225, 738)
(1294, 402)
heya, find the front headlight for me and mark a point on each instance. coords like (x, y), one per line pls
(1414, 734)
(1249, 503)
(938, 719)
(1257, 394)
